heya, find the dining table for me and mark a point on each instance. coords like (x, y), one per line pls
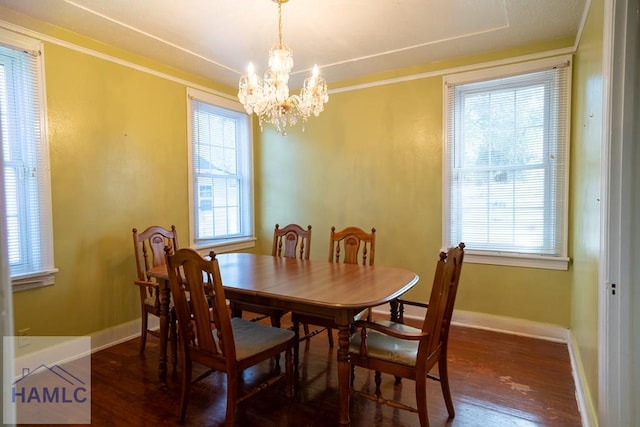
(335, 291)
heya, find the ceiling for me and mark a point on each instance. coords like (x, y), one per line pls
(216, 39)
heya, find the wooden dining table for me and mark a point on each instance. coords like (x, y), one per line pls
(331, 290)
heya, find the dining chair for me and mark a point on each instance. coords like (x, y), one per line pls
(408, 352)
(210, 337)
(397, 315)
(291, 241)
(351, 245)
(149, 248)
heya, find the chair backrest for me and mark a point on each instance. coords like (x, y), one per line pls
(149, 247)
(441, 301)
(453, 291)
(345, 246)
(291, 241)
(195, 281)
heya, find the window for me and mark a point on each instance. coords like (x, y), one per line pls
(220, 172)
(506, 163)
(25, 162)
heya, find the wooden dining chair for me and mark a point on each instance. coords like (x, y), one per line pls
(407, 352)
(210, 337)
(397, 316)
(149, 248)
(291, 241)
(351, 245)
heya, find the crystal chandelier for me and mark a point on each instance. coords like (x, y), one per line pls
(269, 97)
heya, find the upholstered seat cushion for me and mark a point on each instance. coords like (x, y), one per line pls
(253, 337)
(362, 315)
(388, 348)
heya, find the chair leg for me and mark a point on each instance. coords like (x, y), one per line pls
(275, 322)
(143, 331)
(185, 387)
(232, 397)
(173, 340)
(393, 307)
(444, 384)
(353, 375)
(235, 312)
(330, 335)
(296, 346)
(378, 381)
(421, 400)
(288, 366)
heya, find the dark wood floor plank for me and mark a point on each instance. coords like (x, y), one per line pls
(496, 380)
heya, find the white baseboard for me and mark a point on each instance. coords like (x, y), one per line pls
(99, 341)
(583, 397)
(509, 325)
(120, 333)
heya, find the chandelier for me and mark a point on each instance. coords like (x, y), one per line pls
(269, 97)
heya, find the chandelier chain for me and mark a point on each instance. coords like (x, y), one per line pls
(280, 24)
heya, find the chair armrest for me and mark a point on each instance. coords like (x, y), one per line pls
(146, 284)
(416, 336)
(399, 313)
(414, 303)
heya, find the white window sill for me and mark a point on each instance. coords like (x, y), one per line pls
(32, 281)
(227, 246)
(517, 260)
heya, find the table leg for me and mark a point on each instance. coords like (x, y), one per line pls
(164, 328)
(344, 373)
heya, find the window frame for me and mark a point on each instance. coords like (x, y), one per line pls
(497, 257)
(45, 274)
(248, 239)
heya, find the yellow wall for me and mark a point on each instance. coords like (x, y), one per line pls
(373, 158)
(585, 194)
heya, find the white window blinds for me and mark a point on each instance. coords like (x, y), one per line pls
(506, 161)
(26, 167)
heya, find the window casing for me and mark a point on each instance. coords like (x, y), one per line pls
(220, 173)
(25, 156)
(506, 162)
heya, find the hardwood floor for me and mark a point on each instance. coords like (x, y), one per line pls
(496, 380)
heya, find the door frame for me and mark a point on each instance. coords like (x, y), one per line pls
(619, 247)
(6, 306)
